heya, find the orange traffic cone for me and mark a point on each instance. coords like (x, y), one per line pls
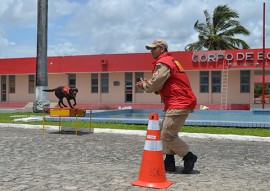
(152, 172)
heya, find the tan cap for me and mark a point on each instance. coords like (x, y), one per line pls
(157, 42)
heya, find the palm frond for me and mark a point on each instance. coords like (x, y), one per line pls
(218, 33)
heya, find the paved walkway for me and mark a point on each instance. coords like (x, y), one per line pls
(111, 161)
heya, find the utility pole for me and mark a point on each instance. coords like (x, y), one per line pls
(41, 59)
(264, 56)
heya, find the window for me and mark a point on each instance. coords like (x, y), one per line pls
(72, 80)
(94, 83)
(216, 81)
(31, 84)
(245, 81)
(116, 83)
(11, 84)
(104, 83)
(138, 76)
(204, 81)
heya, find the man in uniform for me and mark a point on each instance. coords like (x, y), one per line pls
(171, 82)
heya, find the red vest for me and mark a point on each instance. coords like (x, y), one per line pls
(176, 93)
(65, 90)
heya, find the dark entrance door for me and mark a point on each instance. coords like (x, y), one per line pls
(3, 88)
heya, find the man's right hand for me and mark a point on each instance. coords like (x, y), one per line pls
(140, 83)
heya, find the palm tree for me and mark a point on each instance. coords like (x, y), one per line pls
(218, 33)
(41, 62)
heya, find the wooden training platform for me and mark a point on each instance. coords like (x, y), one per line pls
(64, 112)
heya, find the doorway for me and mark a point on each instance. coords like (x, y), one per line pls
(128, 87)
(3, 88)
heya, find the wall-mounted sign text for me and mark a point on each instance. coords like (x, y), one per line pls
(248, 56)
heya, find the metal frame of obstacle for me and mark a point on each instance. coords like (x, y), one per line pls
(64, 112)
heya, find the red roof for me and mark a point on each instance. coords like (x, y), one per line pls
(197, 60)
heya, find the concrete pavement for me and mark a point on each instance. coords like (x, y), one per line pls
(110, 161)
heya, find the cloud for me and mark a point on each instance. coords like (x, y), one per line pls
(115, 26)
(4, 42)
(60, 8)
(62, 49)
(6, 47)
(14, 13)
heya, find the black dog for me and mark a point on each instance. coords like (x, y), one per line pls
(65, 92)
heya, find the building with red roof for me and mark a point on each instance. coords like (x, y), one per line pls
(224, 79)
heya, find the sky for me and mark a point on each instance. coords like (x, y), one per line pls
(90, 27)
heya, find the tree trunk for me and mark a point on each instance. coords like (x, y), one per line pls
(41, 60)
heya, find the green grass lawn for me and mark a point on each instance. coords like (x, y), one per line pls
(263, 132)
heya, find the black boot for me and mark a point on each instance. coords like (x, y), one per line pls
(189, 161)
(169, 163)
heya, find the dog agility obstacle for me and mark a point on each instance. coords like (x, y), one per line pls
(64, 112)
